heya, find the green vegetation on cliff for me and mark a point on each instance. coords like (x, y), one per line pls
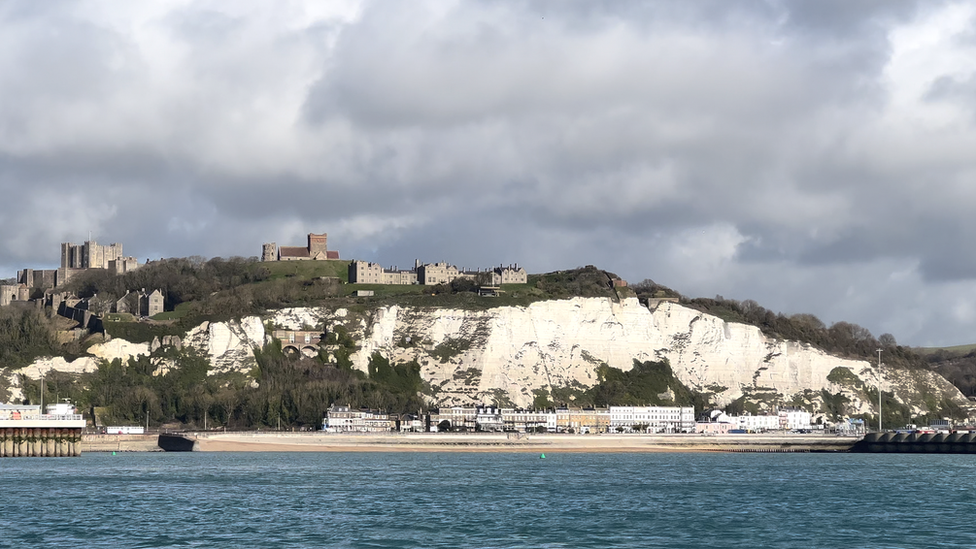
(171, 386)
(24, 335)
(648, 383)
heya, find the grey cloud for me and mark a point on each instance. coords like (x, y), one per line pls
(718, 147)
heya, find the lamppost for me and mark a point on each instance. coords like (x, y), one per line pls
(879, 390)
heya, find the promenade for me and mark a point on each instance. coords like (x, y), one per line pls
(508, 442)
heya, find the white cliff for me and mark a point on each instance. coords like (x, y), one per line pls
(118, 349)
(229, 345)
(472, 356)
(560, 343)
(43, 366)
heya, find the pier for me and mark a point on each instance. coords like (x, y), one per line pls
(40, 442)
(26, 432)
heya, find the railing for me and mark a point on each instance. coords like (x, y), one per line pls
(45, 417)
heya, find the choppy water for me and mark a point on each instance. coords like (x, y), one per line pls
(471, 500)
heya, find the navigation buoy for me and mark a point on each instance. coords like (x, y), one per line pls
(113, 453)
(543, 456)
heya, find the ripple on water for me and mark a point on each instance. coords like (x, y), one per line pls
(492, 500)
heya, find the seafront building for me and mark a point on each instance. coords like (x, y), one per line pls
(619, 419)
(653, 419)
(782, 419)
(343, 419)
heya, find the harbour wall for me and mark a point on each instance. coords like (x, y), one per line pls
(40, 442)
(120, 443)
(917, 443)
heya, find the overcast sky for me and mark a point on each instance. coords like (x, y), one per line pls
(817, 157)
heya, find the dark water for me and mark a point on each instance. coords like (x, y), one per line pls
(367, 500)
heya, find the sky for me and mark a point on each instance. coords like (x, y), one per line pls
(816, 157)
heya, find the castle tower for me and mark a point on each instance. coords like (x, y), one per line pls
(317, 243)
(269, 252)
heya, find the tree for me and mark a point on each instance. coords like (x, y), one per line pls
(809, 321)
(463, 284)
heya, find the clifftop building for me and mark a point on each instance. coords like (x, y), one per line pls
(89, 255)
(429, 274)
(13, 292)
(317, 250)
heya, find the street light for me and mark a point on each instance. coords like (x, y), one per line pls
(879, 390)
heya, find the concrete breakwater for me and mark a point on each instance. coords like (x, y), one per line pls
(917, 443)
(500, 442)
(120, 443)
(40, 442)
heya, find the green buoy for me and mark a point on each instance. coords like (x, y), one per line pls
(113, 453)
(543, 456)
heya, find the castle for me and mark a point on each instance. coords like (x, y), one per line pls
(429, 274)
(34, 283)
(316, 250)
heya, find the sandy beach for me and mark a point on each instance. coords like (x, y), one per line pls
(501, 442)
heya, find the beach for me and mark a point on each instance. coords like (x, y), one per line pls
(511, 442)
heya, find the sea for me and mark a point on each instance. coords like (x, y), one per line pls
(488, 500)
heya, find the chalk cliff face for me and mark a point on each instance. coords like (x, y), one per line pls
(475, 356)
(508, 352)
(230, 345)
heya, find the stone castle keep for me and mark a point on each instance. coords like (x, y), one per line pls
(38, 283)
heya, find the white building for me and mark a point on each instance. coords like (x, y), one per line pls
(343, 419)
(489, 418)
(657, 419)
(757, 423)
(794, 418)
(787, 419)
(525, 420)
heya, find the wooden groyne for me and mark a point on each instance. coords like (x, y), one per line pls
(40, 442)
(917, 443)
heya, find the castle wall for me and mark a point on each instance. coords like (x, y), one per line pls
(123, 265)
